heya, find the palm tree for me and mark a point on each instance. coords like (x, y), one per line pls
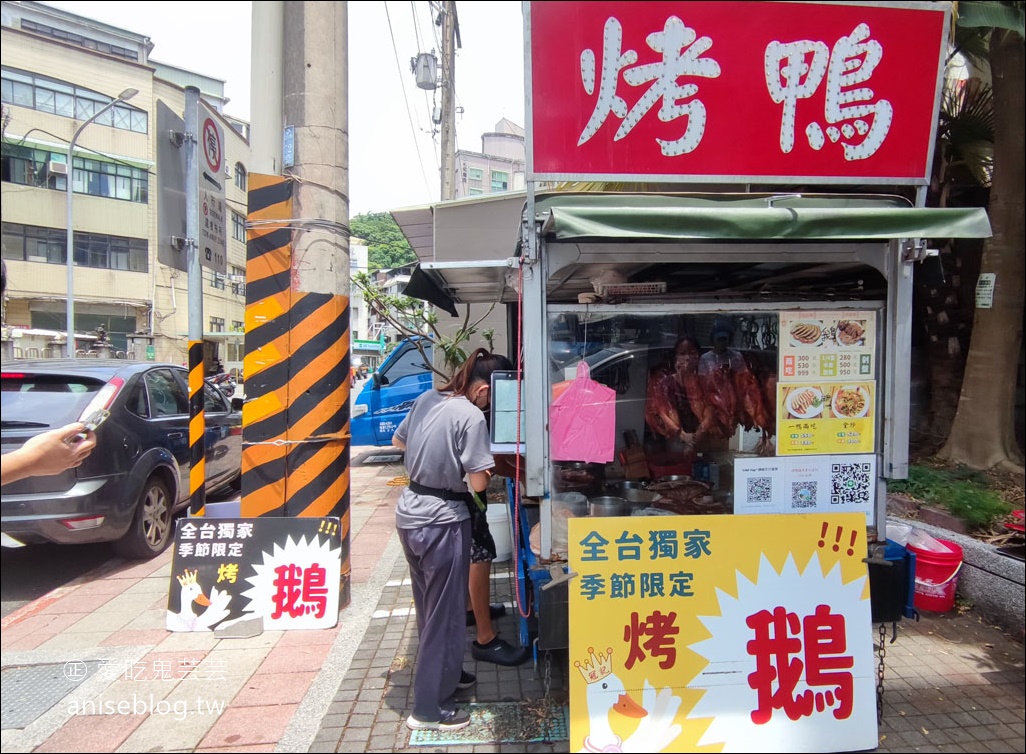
(943, 304)
(983, 432)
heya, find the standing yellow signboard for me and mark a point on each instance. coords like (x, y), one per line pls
(721, 633)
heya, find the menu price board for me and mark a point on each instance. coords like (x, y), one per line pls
(819, 418)
(827, 345)
(826, 394)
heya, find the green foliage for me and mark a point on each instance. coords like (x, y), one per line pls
(992, 14)
(966, 134)
(962, 491)
(387, 247)
(413, 317)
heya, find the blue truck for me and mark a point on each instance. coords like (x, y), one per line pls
(387, 396)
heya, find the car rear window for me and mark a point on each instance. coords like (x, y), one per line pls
(48, 399)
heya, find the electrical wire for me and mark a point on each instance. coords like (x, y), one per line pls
(301, 224)
(416, 27)
(448, 72)
(429, 101)
(409, 115)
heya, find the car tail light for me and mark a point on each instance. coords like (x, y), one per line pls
(12, 375)
(104, 396)
(77, 524)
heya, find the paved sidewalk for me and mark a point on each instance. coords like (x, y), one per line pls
(951, 683)
(141, 688)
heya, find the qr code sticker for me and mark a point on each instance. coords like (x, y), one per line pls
(851, 483)
(760, 489)
(803, 495)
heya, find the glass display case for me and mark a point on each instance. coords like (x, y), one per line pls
(698, 395)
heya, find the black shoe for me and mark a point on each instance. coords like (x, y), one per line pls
(495, 610)
(455, 720)
(466, 680)
(499, 652)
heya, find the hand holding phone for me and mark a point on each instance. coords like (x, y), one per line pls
(92, 421)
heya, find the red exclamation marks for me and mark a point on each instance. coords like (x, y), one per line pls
(837, 538)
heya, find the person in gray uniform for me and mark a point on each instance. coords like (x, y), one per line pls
(445, 437)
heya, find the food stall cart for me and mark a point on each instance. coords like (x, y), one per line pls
(804, 303)
(813, 295)
(712, 387)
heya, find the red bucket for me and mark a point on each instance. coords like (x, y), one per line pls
(937, 576)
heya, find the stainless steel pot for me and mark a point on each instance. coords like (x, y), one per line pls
(675, 478)
(619, 487)
(607, 505)
(639, 498)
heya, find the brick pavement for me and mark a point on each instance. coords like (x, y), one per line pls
(951, 682)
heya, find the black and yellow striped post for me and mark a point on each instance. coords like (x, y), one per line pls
(295, 422)
(197, 437)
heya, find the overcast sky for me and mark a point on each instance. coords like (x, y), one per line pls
(394, 159)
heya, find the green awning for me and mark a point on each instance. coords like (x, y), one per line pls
(744, 217)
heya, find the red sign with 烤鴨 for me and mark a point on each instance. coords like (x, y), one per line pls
(772, 92)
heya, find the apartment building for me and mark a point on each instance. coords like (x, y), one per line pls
(366, 341)
(391, 282)
(498, 167)
(58, 70)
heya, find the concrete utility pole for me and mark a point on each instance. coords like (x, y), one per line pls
(295, 422)
(315, 82)
(450, 35)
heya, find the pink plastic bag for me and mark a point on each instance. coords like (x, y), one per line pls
(582, 421)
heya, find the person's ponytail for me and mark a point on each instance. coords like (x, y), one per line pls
(477, 368)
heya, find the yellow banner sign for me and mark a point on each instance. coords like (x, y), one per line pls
(721, 633)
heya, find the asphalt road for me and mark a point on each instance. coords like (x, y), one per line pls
(32, 571)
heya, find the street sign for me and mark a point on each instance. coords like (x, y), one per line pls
(212, 241)
(170, 190)
(172, 231)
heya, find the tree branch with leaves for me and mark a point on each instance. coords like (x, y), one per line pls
(416, 320)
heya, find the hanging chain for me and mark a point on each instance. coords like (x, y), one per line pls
(881, 649)
(547, 674)
(546, 708)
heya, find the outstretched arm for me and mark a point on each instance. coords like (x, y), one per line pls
(47, 454)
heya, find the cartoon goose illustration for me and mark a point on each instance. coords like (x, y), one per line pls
(186, 619)
(656, 712)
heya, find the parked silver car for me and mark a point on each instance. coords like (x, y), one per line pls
(130, 487)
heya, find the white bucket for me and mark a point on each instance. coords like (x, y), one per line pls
(498, 524)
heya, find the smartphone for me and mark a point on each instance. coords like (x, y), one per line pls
(92, 421)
